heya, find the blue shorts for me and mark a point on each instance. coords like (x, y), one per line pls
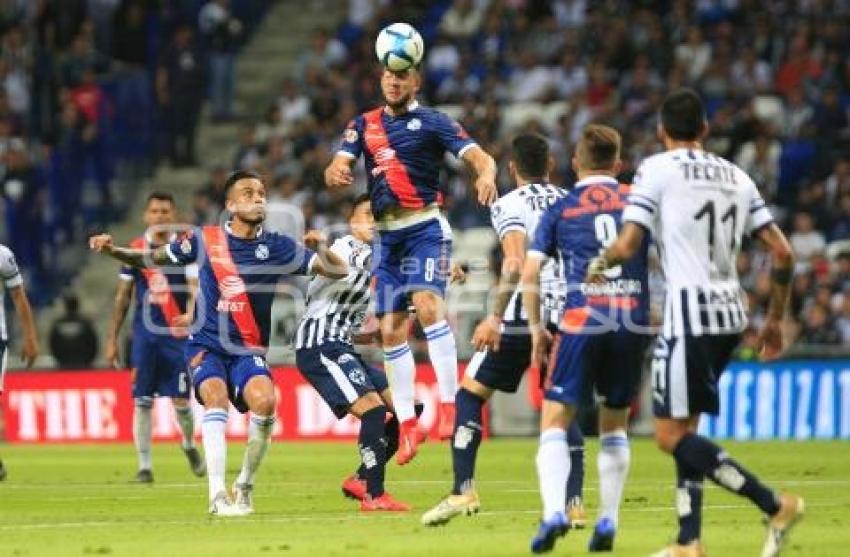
(608, 364)
(160, 364)
(409, 260)
(234, 370)
(339, 374)
(502, 370)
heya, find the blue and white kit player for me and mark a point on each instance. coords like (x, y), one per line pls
(502, 339)
(239, 265)
(404, 146)
(602, 340)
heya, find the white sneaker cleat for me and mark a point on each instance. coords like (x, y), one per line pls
(778, 526)
(466, 503)
(221, 506)
(243, 497)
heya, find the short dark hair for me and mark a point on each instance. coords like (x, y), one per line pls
(236, 176)
(160, 196)
(359, 200)
(530, 153)
(683, 115)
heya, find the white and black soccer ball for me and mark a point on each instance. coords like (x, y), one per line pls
(399, 46)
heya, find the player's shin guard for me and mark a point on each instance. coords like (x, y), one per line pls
(689, 483)
(467, 438)
(215, 448)
(575, 441)
(373, 450)
(553, 469)
(443, 355)
(613, 462)
(186, 421)
(401, 371)
(703, 455)
(259, 439)
(142, 430)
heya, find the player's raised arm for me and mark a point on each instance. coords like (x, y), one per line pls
(782, 256)
(123, 296)
(483, 168)
(29, 349)
(327, 263)
(139, 258)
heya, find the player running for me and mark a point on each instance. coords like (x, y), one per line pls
(162, 316)
(699, 206)
(239, 267)
(14, 283)
(602, 338)
(403, 145)
(502, 340)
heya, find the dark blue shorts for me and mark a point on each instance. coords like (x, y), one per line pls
(235, 371)
(502, 370)
(607, 364)
(160, 364)
(409, 260)
(685, 372)
(339, 374)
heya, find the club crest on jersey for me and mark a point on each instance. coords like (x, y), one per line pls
(262, 252)
(414, 124)
(357, 376)
(350, 135)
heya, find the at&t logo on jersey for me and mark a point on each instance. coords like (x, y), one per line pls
(230, 288)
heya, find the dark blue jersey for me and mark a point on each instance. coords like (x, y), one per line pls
(578, 228)
(237, 280)
(404, 154)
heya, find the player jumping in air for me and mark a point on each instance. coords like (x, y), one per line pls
(239, 267)
(502, 339)
(403, 145)
(162, 316)
(699, 206)
(602, 335)
(14, 283)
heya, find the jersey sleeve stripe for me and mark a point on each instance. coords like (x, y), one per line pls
(512, 228)
(465, 148)
(170, 255)
(347, 154)
(633, 196)
(642, 205)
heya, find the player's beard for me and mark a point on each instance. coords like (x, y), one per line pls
(400, 104)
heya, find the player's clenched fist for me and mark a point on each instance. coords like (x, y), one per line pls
(100, 243)
(339, 176)
(314, 239)
(487, 191)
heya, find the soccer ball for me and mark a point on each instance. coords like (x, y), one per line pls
(399, 46)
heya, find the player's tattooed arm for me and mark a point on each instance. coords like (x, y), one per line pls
(483, 168)
(123, 295)
(327, 263)
(770, 339)
(338, 173)
(625, 247)
(140, 258)
(488, 333)
(540, 337)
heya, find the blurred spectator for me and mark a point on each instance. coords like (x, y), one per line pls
(760, 159)
(130, 36)
(462, 20)
(73, 340)
(24, 192)
(222, 32)
(819, 328)
(694, 54)
(805, 240)
(751, 75)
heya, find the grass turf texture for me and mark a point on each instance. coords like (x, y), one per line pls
(76, 500)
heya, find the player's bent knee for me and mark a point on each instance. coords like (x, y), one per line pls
(213, 393)
(475, 387)
(365, 403)
(180, 402)
(429, 307)
(555, 415)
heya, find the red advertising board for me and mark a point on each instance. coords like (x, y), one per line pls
(96, 406)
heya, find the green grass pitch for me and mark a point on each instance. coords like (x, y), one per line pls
(75, 500)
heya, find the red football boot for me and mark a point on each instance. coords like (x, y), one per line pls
(447, 421)
(409, 437)
(354, 488)
(385, 502)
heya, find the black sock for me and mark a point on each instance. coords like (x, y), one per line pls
(688, 502)
(703, 455)
(373, 449)
(391, 434)
(466, 438)
(575, 442)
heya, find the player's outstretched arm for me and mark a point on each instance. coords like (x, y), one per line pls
(123, 295)
(483, 168)
(140, 258)
(770, 340)
(488, 333)
(327, 264)
(29, 349)
(625, 247)
(338, 173)
(540, 338)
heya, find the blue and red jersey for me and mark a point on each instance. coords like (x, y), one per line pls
(404, 154)
(237, 280)
(578, 228)
(161, 296)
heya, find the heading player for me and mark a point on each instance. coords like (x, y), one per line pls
(602, 338)
(698, 206)
(404, 145)
(161, 321)
(14, 283)
(239, 267)
(502, 339)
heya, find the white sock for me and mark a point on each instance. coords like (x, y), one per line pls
(613, 462)
(215, 448)
(553, 469)
(186, 421)
(142, 431)
(401, 371)
(259, 439)
(443, 354)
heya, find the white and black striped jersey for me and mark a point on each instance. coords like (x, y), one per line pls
(698, 206)
(335, 308)
(521, 210)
